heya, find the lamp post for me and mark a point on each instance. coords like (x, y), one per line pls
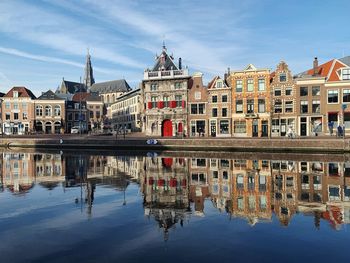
(1, 128)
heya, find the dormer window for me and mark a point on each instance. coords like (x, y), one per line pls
(283, 77)
(219, 84)
(346, 74)
(15, 94)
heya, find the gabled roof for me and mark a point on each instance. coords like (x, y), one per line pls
(328, 70)
(119, 85)
(73, 87)
(250, 67)
(345, 60)
(212, 83)
(164, 61)
(23, 92)
(86, 96)
(49, 95)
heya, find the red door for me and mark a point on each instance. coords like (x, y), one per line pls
(167, 128)
(179, 127)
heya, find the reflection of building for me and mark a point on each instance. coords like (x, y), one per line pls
(251, 190)
(49, 169)
(17, 171)
(285, 178)
(165, 189)
(165, 97)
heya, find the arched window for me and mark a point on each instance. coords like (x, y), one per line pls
(57, 110)
(107, 100)
(48, 110)
(113, 98)
(39, 110)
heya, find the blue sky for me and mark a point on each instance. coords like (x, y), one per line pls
(42, 41)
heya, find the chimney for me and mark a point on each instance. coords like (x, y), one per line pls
(228, 71)
(315, 66)
(180, 63)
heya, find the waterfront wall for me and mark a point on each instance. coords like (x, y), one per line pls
(227, 144)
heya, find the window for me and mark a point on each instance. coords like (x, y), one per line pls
(304, 107)
(261, 84)
(25, 116)
(39, 110)
(224, 98)
(346, 74)
(278, 92)
(48, 110)
(239, 85)
(57, 110)
(214, 112)
(250, 106)
(239, 106)
(15, 116)
(214, 99)
(91, 114)
(316, 106)
(178, 85)
(346, 95)
(250, 85)
(197, 95)
(224, 127)
(70, 116)
(76, 106)
(15, 94)
(278, 106)
(219, 84)
(154, 87)
(7, 105)
(24, 105)
(239, 127)
(332, 96)
(289, 91)
(178, 99)
(194, 109)
(15, 106)
(283, 77)
(288, 107)
(98, 114)
(154, 102)
(201, 108)
(303, 91)
(224, 112)
(8, 116)
(261, 105)
(316, 91)
(166, 101)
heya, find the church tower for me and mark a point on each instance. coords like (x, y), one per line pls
(89, 75)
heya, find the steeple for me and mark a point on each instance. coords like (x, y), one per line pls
(89, 75)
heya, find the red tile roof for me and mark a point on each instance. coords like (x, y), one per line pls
(23, 92)
(329, 70)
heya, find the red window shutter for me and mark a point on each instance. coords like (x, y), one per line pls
(160, 104)
(150, 105)
(183, 104)
(172, 104)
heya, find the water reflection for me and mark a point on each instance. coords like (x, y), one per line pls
(176, 188)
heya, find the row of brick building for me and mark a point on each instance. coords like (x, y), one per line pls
(252, 102)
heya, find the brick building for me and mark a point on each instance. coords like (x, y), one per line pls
(251, 97)
(164, 89)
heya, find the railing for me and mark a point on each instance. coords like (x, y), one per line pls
(165, 74)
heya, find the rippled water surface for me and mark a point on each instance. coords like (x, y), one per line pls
(61, 207)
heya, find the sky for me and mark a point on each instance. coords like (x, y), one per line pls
(42, 41)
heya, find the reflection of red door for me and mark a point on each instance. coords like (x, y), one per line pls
(167, 128)
(167, 162)
(179, 127)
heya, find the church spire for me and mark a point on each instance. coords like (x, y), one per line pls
(89, 75)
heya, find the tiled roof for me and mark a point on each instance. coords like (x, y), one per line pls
(164, 62)
(73, 87)
(23, 92)
(119, 85)
(328, 70)
(49, 95)
(86, 96)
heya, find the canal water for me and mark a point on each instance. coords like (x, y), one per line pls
(173, 207)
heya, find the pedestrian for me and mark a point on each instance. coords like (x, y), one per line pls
(339, 131)
(330, 127)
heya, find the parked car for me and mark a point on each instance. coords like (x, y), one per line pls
(75, 130)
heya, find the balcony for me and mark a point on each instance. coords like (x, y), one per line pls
(165, 74)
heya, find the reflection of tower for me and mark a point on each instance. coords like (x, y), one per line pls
(165, 190)
(89, 198)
